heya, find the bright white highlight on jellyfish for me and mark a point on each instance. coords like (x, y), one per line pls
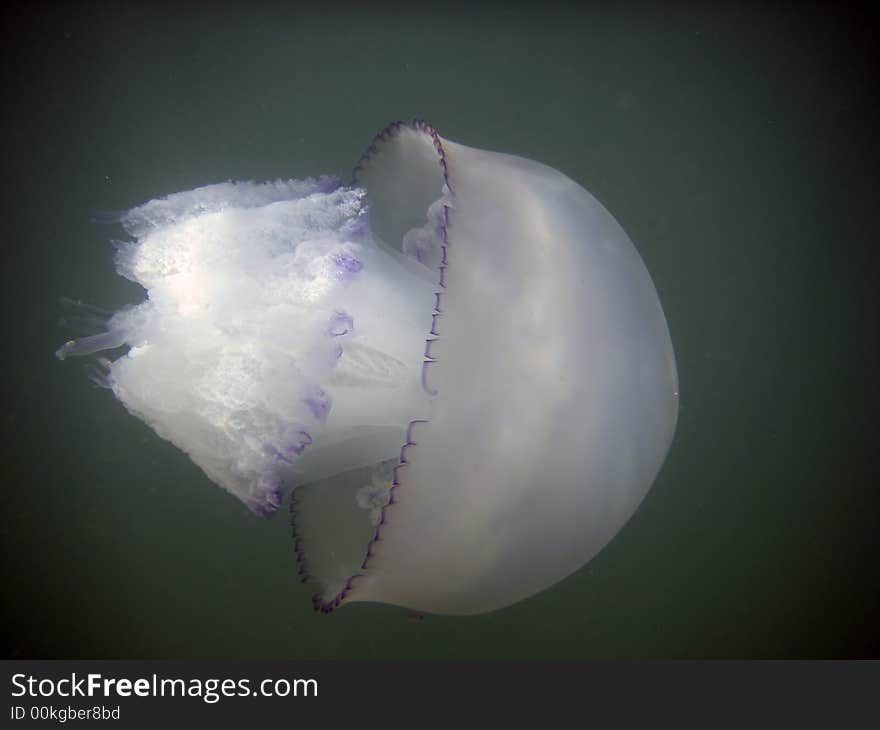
(458, 366)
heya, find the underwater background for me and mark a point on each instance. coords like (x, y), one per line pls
(735, 143)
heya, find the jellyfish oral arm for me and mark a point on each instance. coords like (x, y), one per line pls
(279, 342)
(90, 345)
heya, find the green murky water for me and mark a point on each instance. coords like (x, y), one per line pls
(736, 145)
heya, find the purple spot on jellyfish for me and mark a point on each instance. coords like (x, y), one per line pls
(274, 498)
(298, 442)
(293, 443)
(348, 263)
(318, 402)
(341, 323)
(268, 482)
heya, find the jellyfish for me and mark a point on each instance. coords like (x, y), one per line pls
(457, 366)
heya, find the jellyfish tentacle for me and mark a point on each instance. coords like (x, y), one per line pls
(82, 318)
(90, 345)
(98, 377)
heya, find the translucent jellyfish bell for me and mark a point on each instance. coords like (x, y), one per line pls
(459, 364)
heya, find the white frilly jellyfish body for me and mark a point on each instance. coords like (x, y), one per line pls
(458, 364)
